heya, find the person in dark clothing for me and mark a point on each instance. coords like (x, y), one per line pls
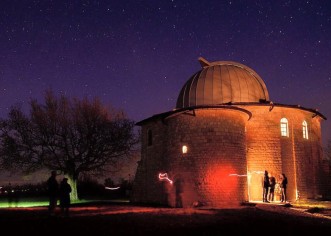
(53, 188)
(272, 184)
(283, 185)
(265, 185)
(179, 191)
(65, 190)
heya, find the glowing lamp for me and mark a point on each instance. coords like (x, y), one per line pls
(184, 149)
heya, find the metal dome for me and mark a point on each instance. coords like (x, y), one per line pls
(222, 82)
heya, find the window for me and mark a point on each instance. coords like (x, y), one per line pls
(305, 129)
(184, 149)
(284, 127)
(149, 138)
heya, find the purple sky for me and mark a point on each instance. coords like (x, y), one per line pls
(136, 55)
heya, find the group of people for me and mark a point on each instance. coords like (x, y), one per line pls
(58, 191)
(269, 184)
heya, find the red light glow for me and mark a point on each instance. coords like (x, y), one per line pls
(221, 183)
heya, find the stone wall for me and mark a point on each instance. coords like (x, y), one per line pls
(213, 171)
(146, 187)
(298, 158)
(227, 155)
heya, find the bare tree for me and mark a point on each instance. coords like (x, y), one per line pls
(69, 135)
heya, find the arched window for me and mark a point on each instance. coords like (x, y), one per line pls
(149, 138)
(284, 127)
(305, 129)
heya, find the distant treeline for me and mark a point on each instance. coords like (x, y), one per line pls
(87, 188)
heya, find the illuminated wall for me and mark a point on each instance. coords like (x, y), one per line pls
(228, 150)
(211, 171)
(299, 158)
(216, 150)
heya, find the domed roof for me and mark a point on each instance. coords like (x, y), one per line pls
(222, 82)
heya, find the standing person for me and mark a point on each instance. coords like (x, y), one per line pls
(265, 185)
(272, 184)
(283, 185)
(65, 190)
(179, 192)
(53, 188)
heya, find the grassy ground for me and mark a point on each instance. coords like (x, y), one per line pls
(43, 202)
(122, 218)
(135, 220)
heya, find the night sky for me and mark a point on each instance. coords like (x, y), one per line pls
(136, 55)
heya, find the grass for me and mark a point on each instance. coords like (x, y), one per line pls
(33, 202)
(43, 201)
(312, 204)
(24, 202)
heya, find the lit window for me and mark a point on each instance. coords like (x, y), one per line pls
(149, 138)
(305, 129)
(184, 149)
(284, 127)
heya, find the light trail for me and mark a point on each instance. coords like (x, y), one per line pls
(237, 175)
(249, 173)
(164, 176)
(109, 188)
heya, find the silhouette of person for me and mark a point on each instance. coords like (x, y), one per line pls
(65, 190)
(272, 184)
(53, 188)
(179, 191)
(265, 185)
(283, 185)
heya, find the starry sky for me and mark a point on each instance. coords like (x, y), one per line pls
(137, 54)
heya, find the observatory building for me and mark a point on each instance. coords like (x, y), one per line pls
(225, 131)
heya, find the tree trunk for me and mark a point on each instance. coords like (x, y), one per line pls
(73, 183)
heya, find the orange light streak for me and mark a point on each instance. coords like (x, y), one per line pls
(253, 172)
(237, 175)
